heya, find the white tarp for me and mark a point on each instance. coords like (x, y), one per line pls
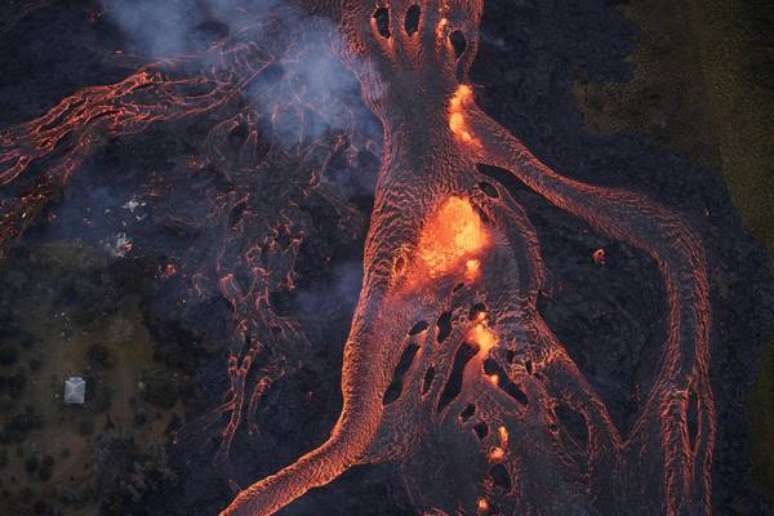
(75, 390)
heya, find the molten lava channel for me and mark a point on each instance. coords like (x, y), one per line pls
(483, 336)
(665, 467)
(453, 241)
(458, 124)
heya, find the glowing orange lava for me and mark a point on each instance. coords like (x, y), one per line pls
(462, 98)
(453, 240)
(502, 432)
(496, 454)
(429, 198)
(472, 270)
(483, 336)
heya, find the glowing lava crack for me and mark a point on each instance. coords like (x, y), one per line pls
(448, 368)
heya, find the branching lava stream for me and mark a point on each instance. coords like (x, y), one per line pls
(478, 393)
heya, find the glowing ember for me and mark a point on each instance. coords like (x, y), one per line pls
(472, 270)
(599, 256)
(496, 454)
(481, 335)
(169, 270)
(503, 434)
(462, 98)
(451, 238)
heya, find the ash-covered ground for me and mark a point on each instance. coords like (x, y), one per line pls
(101, 287)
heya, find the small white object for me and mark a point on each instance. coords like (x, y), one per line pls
(120, 246)
(75, 390)
(131, 205)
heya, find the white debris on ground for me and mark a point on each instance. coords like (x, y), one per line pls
(133, 204)
(75, 390)
(120, 246)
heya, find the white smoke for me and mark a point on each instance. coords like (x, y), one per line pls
(164, 28)
(314, 93)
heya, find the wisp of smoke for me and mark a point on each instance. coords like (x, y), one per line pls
(160, 29)
(314, 93)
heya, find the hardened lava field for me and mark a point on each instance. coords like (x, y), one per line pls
(338, 164)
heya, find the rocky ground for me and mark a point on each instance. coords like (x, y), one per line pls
(70, 302)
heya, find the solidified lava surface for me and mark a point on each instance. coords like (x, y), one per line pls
(244, 237)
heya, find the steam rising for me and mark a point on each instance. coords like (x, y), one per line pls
(327, 298)
(160, 29)
(309, 93)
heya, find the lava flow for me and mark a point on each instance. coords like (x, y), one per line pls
(452, 241)
(448, 368)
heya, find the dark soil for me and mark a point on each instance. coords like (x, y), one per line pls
(532, 52)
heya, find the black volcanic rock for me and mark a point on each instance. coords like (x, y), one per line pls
(609, 317)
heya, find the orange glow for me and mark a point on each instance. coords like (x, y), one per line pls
(484, 337)
(496, 454)
(455, 233)
(472, 270)
(440, 28)
(457, 124)
(483, 505)
(599, 256)
(503, 433)
(463, 93)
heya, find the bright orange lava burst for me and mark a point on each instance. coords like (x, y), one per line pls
(472, 270)
(496, 454)
(503, 433)
(453, 240)
(483, 337)
(486, 339)
(459, 127)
